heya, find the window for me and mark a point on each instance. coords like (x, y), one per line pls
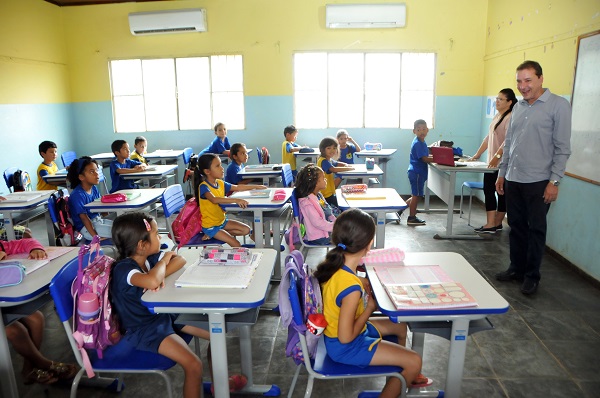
(363, 89)
(177, 93)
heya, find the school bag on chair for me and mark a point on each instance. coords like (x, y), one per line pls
(187, 223)
(65, 233)
(94, 322)
(264, 155)
(21, 181)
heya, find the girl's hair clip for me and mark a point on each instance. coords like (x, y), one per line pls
(343, 246)
(147, 224)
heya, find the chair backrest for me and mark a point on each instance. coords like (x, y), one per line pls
(295, 205)
(259, 154)
(68, 158)
(172, 200)
(52, 210)
(287, 178)
(8, 177)
(187, 155)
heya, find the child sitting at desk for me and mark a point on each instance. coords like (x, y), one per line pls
(26, 334)
(140, 146)
(123, 165)
(329, 149)
(48, 151)
(318, 215)
(347, 146)
(289, 146)
(220, 145)
(417, 170)
(353, 337)
(83, 177)
(211, 191)
(239, 155)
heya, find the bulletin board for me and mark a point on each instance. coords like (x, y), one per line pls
(585, 105)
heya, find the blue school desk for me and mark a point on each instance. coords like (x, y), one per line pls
(154, 172)
(146, 198)
(360, 171)
(380, 157)
(168, 156)
(22, 206)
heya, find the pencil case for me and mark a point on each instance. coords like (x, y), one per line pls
(11, 273)
(113, 198)
(279, 194)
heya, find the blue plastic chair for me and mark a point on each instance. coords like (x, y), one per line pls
(259, 154)
(68, 158)
(8, 177)
(322, 367)
(120, 358)
(472, 186)
(287, 178)
(187, 155)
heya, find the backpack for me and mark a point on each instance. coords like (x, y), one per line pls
(21, 181)
(65, 233)
(264, 155)
(94, 322)
(311, 303)
(188, 176)
(187, 223)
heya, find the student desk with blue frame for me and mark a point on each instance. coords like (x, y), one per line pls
(168, 156)
(360, 171)
(20, 301)
(147, 197)
(154, 172)
(11, 209)
(381, 158)
(263, 174)
(217, 302)
(489, 301)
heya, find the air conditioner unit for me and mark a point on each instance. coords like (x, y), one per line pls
(364, 16)
(168, 21)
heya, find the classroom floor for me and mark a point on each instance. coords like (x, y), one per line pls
(547, 345)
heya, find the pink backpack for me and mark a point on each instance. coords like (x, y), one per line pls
(188, 223)
(95, 325)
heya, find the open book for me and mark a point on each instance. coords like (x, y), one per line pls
(219, 276)
(412, 287)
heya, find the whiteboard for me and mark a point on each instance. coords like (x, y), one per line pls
(585, 104)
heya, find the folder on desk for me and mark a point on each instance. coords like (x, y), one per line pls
(219, 276)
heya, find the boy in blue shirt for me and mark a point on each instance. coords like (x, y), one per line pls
(220, 145)
(417, 170)
(123, 165)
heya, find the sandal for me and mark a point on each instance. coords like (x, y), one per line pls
(40, 376)
(64, 371)
(421, 381)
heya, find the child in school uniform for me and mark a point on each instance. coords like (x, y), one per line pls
(220, 145)
(347, 146)
(48, 151)
(329, 149)
(318, 215)
(84, 176)
(123, 165)
(239, 156)
(211, 192)
(289, 146)
(417, 170)
(140, 146)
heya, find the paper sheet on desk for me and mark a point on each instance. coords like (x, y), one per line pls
(219, 276)
(52, 252)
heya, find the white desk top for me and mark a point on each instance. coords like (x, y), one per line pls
(40, 197)
(488, 299)
(374, 154)
(229, 300)
(316, 153)
(164, 154)
(147, 196)
(470, 167)
(260, 203)
(158, 170)
(361, 170)
(103, 156)
(248, 171)
(390, 200)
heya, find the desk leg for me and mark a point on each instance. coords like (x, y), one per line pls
(218, 349)
(456, 358)
(9, 226)
(50, 229)
(380, 231)
(7, 374)
(246, 362)
(277, 247)
(258, 229)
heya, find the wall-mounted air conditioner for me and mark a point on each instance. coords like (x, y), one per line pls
(361, 16)
(168, 21)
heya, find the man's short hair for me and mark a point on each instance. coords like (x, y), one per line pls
(531, 65)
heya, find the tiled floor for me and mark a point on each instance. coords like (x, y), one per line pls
(545, 346)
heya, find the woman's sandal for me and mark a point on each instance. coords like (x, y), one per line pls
(64, 371)
(421, 381)
(40, 376)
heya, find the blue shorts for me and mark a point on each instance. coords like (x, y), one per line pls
(417, 183)
(212, 231)
(151, 335)
(359, 352)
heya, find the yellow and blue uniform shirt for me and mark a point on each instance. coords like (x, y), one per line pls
(212, 214)
(287, 156)
(44, 170)
(325, 165)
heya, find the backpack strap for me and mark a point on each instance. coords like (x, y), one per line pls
(78, 337)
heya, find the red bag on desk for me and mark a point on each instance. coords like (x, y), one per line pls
(113, 198)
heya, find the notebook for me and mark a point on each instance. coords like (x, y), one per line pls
(20, 197)
(445, 156)
(219, 276)
(263, 167)
(255, 193)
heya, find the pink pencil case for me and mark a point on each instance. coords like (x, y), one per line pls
(113, 198)
(279, 194)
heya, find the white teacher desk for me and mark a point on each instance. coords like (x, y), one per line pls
(19, 301)
(147, 197)
(11, 209)
(489, 302)
(380, 157)
(387, 201)
(216, 302)
(442, 182)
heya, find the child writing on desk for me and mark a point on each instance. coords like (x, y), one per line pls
(26, 334)
(417, 170)
(123, 165)
(352, 336)
(329, 150)
(83, 176)
(140, 267)
(220, 145)
(140, 146)
(211, 192)
(318, 215)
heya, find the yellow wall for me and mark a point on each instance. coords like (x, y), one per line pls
(267, 33)
(542, 30)
(33, 59)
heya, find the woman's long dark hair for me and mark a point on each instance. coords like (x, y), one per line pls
(76, 168)
(510, 96)
(203, 163)
(352, 232)
(306, 181)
